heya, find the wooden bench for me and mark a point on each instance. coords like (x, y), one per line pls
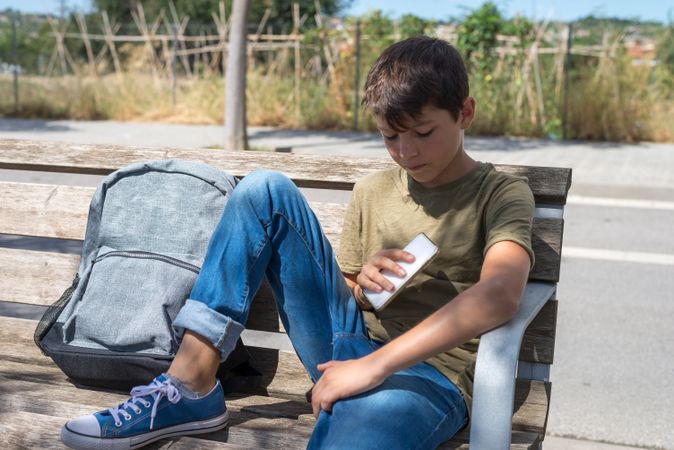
(512, 387)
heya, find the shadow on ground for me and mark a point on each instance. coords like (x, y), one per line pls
(36, 125)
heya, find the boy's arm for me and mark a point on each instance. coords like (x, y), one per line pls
(492, 301)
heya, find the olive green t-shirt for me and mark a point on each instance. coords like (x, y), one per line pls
(464, 218)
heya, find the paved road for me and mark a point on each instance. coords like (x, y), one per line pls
(612, 377)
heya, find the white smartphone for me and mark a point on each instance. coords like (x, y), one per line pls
(423, 250)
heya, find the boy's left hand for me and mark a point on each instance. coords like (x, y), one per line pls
(342, 379)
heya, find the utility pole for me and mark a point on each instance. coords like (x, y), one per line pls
(356, 87)
(62, 27)
(62, 7)
(173, 61)
(235, 78)
(15, 65)
(567, 67)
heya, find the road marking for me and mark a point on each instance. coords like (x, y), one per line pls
(616, 255)
(620, 202)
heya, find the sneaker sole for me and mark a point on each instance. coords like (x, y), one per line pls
(79, 441)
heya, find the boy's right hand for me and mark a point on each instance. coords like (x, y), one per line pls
(370, 276)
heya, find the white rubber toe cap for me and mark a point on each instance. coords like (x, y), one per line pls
(87, 425)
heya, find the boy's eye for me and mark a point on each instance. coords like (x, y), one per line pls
(389, 138)
(426, 134)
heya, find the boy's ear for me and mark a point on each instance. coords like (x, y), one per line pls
(467, 112)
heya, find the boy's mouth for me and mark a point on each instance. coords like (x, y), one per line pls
(415, 168)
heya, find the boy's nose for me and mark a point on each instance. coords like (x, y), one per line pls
(406, 150)
(406, 153)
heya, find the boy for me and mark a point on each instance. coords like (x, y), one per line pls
(398, 378)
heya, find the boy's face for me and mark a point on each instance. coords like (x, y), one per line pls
(430, 149)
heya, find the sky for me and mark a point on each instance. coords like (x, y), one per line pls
(564, 10)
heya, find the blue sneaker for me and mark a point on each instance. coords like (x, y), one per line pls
(153, 412)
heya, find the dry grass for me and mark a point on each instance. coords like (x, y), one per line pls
(611, 100)
(621, 102)
(140, 97)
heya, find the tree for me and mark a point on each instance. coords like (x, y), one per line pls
(665, 50)
(477, 37)
(235, 78)
(34, 40)
(281, 16)
(411, 25)
(199, 11)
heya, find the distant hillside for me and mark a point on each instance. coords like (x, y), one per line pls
(589, 30)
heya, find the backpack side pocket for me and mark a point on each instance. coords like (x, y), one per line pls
(52, 313)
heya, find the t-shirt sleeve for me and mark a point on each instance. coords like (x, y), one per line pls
(509, 216)
(350, 256)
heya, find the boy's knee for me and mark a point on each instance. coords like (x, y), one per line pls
(380, 402)
(265, 178)
(264, 181)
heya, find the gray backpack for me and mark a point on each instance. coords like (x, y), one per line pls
(147, 233)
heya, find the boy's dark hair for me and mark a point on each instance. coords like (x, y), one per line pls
(413, 73)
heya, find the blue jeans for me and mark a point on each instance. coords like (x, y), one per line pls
(268, 229)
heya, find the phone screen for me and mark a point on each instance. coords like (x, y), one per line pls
(423, 250)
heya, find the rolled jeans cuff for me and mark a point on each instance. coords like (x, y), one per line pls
(221, 331)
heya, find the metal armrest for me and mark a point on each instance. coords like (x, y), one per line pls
(495, 370)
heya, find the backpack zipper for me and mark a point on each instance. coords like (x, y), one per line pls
(148, 255)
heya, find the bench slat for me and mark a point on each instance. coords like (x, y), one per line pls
(546, 242)
(61, 212)
(55, 211)
(44, 210)
(549, 185)
(19, 356)
(35, 278)
(538, 343)
(519, 440)
(254, 426)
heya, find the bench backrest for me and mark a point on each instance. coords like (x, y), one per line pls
(57, 211)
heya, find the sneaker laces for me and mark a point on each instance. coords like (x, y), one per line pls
(155, 389)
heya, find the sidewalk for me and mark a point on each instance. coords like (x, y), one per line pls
(643, 171)
(558, 443)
